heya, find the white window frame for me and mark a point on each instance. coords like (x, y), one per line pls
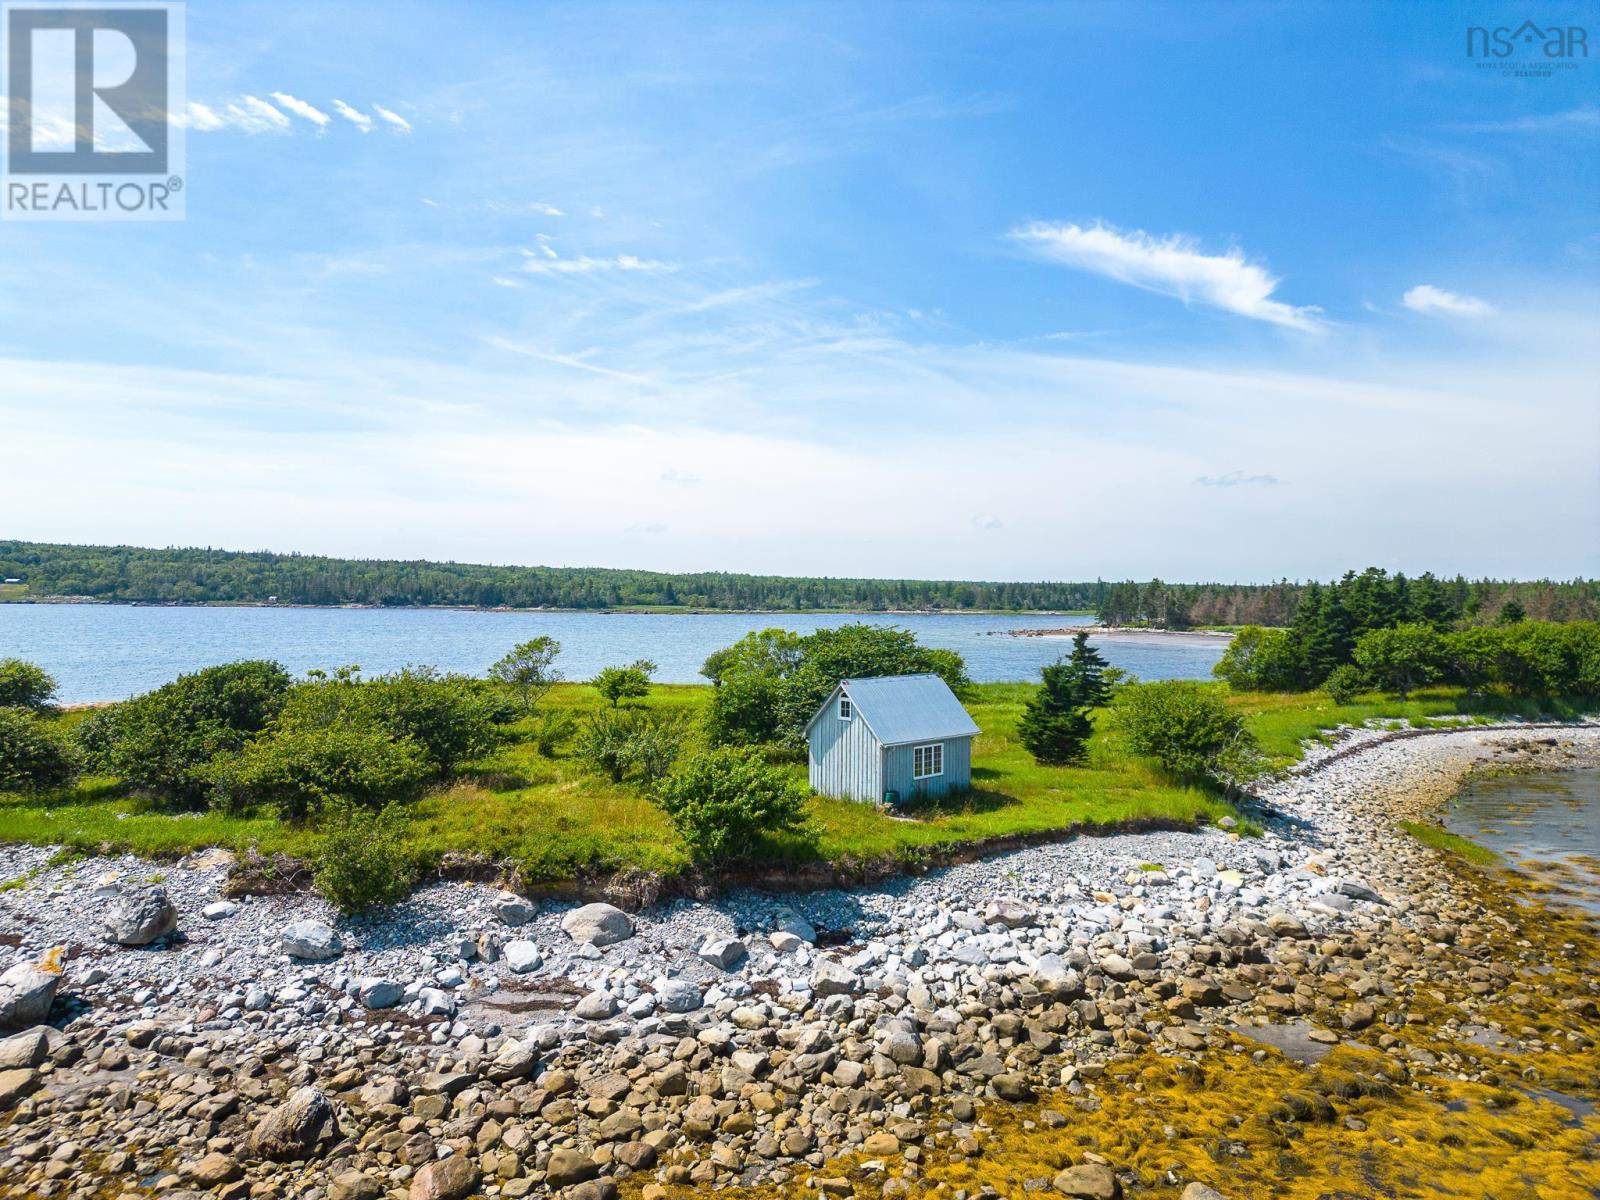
(920, 756)
(847, 710)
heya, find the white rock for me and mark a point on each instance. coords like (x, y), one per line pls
(598, 924)
(523, 956)
(314, 941)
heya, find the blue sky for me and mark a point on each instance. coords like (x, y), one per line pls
(1217, 290)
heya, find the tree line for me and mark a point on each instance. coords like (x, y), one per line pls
(1372, 599)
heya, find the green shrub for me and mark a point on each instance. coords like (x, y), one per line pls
(297, 771)
(1401, 658)
(1344, 684)
(359, 860)
(164, 741)
(726, 802)
(33, 753)
(632, 743)
(529, 671)
(554, 730)
(1188, 730)
(631, 682)
(24, 685)
(1260, 660)
(448, 717)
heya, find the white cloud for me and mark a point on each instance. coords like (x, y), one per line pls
(394, 118)
(504, 281)
(680, 478)
(1171, 265)
(301, 109)
(49, 130)
(265, 114)
(354, 115)
(1425, 298)
(1585, 116)
(985, 521)
(584, 265)
(203, 118)
(1237, 479)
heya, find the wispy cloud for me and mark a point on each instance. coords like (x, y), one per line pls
(393, 118)
(985, 521)
(354, 115)
(301, 109)
(1434, 301)
(680, 478)
(1238, 479)
(584, 265)
(1173, 266)
(1586, 116)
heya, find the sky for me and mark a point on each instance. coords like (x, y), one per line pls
(1220, 291)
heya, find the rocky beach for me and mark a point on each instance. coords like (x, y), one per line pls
(1331, 1008)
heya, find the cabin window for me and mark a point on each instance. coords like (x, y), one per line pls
(845, 711)
(927, 761)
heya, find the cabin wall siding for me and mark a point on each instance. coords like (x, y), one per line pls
(846, 759)
(897, 769)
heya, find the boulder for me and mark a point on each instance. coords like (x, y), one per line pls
(512, 1061)
(785, 942)
(830, 978)
(213, 1170)
(676, 995)
(445, 1179)
(1284, 925)
(523, 956)
(26, 1049)
(353, 1185)
(567, 1167)
(790, 922)
(514, 909)
(28, 989)
(1199, 1191)
(596, 1006)
(296, 1128)
(380, 993)
(1055, 978)
(598, 924)
(14, 1085)
(1088, 1181)
(1013, 914)
(723, 953)
(314, 941)
(138, 916)
(217, 910)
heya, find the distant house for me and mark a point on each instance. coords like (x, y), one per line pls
(13, 581)
(890, 739)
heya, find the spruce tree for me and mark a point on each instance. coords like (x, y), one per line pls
(1086, 670)
(1055, 727)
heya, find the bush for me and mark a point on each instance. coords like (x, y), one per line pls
(1344, 684)
(554, 730)
(632, 744)
(631, 682)
(24, 685)
(298, 771)
(358, 861)
(1260, 660)
(529, 671)
(164, 741)
(33, 753)
(1187, 729)
(448, 717)
(1402, 658)
(724, 803)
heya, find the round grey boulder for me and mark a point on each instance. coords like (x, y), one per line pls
(314, 941)
(598, 924)
(138, 916)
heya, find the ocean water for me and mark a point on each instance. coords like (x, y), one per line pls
(111, 651)
(1545, 823)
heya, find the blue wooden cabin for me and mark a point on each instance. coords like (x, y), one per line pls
(891, 739)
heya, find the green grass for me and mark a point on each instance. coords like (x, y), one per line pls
(1451, 843)
(556, 820)
(12, 591)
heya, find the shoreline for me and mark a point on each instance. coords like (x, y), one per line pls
(625, 610)
(937, 1010)
(1121, 632)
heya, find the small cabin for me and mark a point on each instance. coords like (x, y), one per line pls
(891, 739)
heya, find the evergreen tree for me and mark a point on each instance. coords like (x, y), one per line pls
(1086, 674)
(1055, 727)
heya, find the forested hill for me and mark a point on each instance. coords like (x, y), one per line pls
(200, 576)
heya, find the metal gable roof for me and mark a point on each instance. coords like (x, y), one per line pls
(909, 708)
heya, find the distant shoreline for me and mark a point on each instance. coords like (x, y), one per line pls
(1122, 632)
(624, 610)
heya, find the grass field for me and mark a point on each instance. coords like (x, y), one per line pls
(556, 819)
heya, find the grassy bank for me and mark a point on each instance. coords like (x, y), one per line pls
(557, 820)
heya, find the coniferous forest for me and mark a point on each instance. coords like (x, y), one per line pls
(133, 574)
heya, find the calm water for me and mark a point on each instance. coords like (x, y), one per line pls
(109, 652)
(1546, 823)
